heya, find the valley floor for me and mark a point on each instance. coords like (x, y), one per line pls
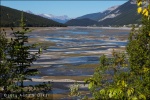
(73, 53)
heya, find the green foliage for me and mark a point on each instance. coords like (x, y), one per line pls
(5, 75)
(106, 85)
(139, 57)
(128, 76)
(125, 76)
(15, 66)
(74, 90)
(20, 56)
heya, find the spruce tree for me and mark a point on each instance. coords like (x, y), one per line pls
(15, 65)
(5, 71)
(21, 57)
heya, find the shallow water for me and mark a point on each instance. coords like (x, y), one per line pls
(77, 41)
(56, 60)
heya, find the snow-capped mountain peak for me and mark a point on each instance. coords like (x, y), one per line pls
(30, 12)
(61, 19)
(47, 15)
(111, 9)
(50, 16)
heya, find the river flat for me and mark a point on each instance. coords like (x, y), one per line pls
(73, 53)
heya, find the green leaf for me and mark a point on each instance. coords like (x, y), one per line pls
(142, 97)
(134, 98)
(90, 85)
(130, 91)
(149, 6)
(102, 91)
(40, 50)
(123, 83)
(111, 93)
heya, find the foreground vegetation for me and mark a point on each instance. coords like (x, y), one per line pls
(128, 73)
(15, 66)
(122, 77)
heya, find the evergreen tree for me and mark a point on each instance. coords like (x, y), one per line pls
(5, 75)
(20, 57)
(15, 66)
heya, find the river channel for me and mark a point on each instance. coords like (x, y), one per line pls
(76, 46)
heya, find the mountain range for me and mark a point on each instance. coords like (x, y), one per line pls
(120, 15)
(60, 19)
(99, 15)
(10, 17)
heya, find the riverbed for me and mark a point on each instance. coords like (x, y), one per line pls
(75, 53)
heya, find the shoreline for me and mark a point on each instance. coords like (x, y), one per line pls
(54, 80)
(119, 28)
(37, 29)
